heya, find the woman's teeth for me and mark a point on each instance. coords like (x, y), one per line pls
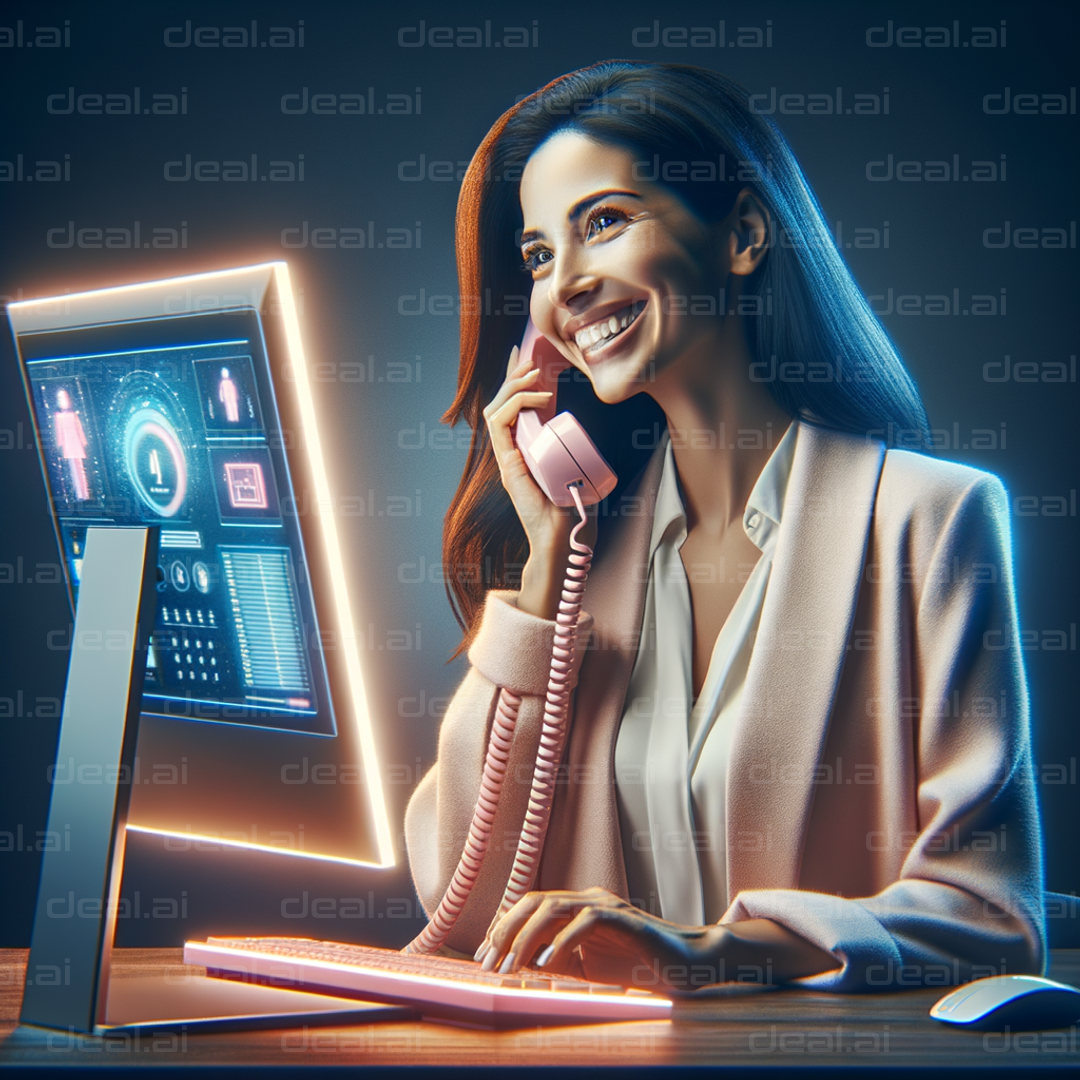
(607, 328)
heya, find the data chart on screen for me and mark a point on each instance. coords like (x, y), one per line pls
(187, 437)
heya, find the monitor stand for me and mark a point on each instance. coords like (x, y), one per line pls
(67, 977)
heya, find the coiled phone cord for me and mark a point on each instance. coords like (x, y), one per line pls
(542, 794)
(556, 720)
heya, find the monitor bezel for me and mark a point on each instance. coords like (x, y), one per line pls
(344, 821)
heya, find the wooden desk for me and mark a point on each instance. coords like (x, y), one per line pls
(787, 1028)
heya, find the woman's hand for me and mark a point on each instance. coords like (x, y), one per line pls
(547, 526)
(599, 936)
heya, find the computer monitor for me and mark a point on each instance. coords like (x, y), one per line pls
(185, 404)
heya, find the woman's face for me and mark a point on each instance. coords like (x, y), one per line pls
(615, 262)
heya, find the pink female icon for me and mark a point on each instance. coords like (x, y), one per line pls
(228, 396)
(71, 442)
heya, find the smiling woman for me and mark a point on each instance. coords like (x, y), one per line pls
(746, 792)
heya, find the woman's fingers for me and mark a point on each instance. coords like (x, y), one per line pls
(503, 931)
(513, 362)
(538, 919)
(557, 955)
(521, 379)
(502, 419)
(592, 934)
(519, 374)
(537, 931)
(518, 379)
(505, 413)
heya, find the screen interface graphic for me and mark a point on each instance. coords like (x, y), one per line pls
(187, 438)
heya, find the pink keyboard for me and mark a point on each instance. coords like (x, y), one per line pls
(436, 987)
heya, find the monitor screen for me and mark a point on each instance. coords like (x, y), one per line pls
(187, 437)
(196, 417)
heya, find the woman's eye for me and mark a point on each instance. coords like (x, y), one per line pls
(602, 219)
(534, 260)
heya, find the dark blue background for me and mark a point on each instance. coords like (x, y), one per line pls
(388, 373)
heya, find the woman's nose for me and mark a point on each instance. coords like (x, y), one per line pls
(574, 280)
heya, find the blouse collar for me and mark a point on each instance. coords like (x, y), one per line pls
(764, 507)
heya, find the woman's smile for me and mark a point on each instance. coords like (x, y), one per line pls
(604, 331)
(615, 262)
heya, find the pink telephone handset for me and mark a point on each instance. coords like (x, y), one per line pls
(571, 472)
(558, 452)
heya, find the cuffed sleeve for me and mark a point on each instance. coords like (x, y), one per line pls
(512, 648)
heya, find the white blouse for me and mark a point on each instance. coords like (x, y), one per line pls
(671, 753)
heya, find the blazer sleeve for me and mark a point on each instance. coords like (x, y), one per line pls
(512, 649)
(969, 896)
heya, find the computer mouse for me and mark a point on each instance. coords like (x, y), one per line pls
(1019, 1002)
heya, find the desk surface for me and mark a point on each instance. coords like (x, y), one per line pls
(774, 1028)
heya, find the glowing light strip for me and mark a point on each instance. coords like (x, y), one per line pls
(324, 503)
(247, 845)
(111, 290)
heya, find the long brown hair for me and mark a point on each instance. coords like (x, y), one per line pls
(692, 128)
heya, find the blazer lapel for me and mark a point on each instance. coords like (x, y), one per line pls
(584, 846)
(798, 655)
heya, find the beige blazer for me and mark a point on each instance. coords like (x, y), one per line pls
(880, 797)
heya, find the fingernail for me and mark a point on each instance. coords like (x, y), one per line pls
(490, 958)
(507, 964)
(484, 946)
(545, 956)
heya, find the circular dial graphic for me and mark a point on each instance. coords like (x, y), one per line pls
(155, 461)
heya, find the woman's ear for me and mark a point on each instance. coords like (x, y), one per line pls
(751, 228)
